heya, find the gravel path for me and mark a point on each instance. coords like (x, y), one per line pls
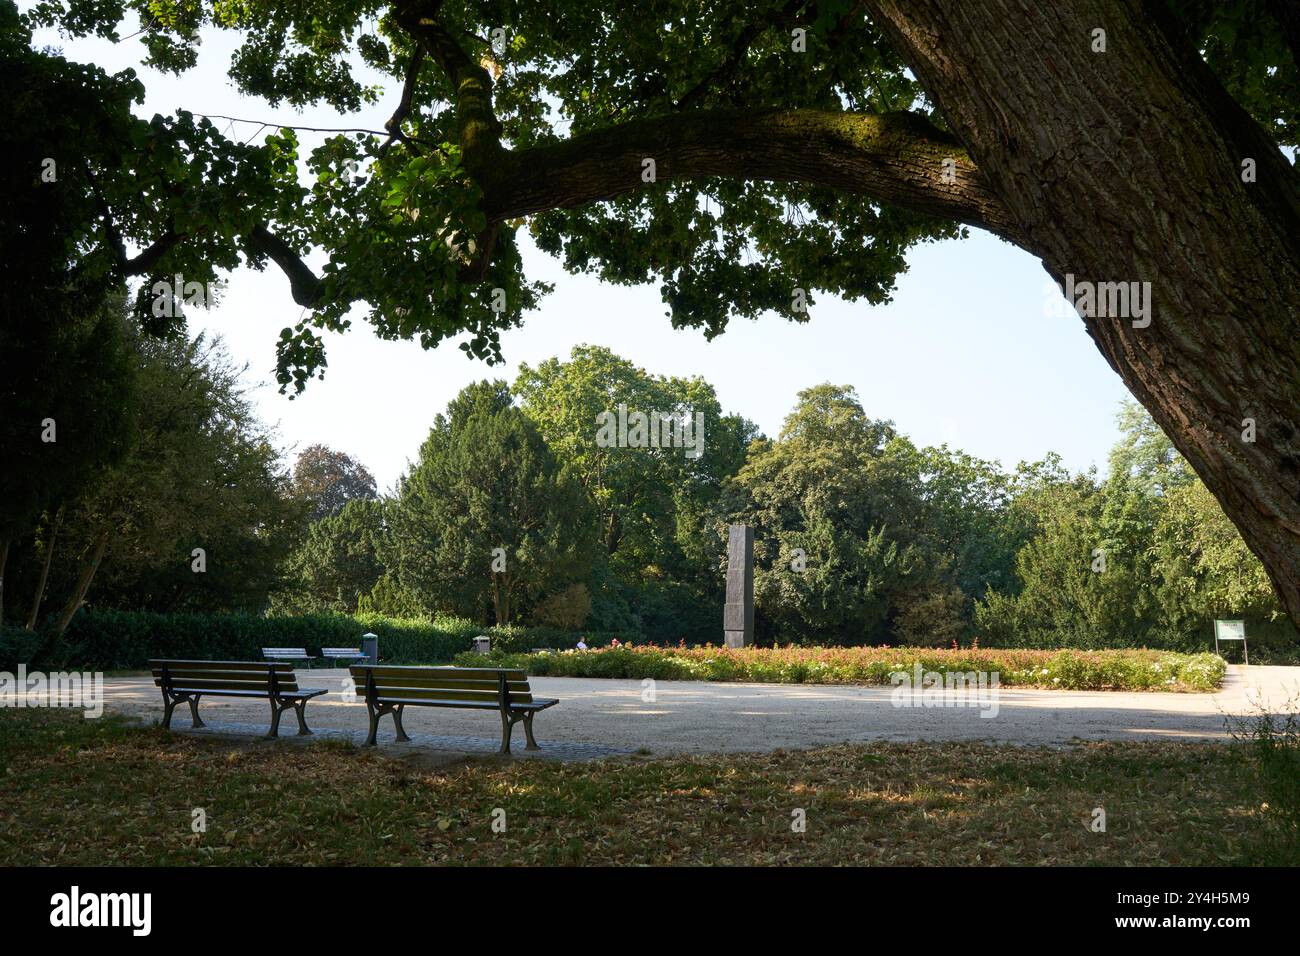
(609, 716)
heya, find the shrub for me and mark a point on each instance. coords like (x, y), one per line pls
(672, 612)
(568, 608)
(1000, 624)
(933, 619)
(16, 647)
(1275, 743)
(125, 640)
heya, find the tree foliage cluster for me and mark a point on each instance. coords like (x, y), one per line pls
(151, 484)
(163, 492)
(514, 513)
(811, 164)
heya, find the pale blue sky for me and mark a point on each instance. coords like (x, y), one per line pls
(966, 353)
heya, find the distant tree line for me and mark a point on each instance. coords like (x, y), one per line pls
(861, 536)
(162, 491)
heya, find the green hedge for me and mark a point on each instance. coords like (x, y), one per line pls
(1061, 670)
(1271, 642)
(16, 647)
(125, 640)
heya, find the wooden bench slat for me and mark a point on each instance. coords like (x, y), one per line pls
(539, 704)
(248, 677)
(438, 693)
(176, 665)
(262, 687)
(437, 673)
(261, 694)
(484, 685)
(194, 674)
(438, 702)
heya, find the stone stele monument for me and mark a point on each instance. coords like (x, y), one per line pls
(738, 612)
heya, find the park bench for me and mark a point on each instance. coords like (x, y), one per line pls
(191, 680)
(343, 654)
(286, 654)
(389, 690)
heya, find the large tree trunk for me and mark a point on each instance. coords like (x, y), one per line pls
(501, 597)
(1127, 166)
(78, 595)
(4, 559)
(45, 572)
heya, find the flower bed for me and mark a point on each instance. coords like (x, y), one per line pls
(1144, 670)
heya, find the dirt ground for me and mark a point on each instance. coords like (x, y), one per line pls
(695, 717)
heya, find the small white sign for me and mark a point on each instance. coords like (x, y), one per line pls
(1230, 630)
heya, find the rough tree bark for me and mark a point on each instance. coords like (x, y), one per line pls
(39, 598)
(4, 559)
(891, 157)
(501, 597)
(78, 596)
(1126, 165)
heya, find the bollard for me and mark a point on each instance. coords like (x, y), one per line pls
(370, 647)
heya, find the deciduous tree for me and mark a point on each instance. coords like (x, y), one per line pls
(329, 479)
(743, 157)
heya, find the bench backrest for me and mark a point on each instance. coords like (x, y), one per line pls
(471, 684)
(285, 652)
(259, 676)
(341, 652)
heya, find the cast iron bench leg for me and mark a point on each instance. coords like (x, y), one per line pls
(194, 711)
(298, 709)
(507, 725)
(276, 710)
(169, 704)
(374, 725)
(528, 732)
(397, 722)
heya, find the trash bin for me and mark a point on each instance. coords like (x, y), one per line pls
(482, 644)
(370, 647)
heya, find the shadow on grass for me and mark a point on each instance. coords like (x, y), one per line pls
(100, 792)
